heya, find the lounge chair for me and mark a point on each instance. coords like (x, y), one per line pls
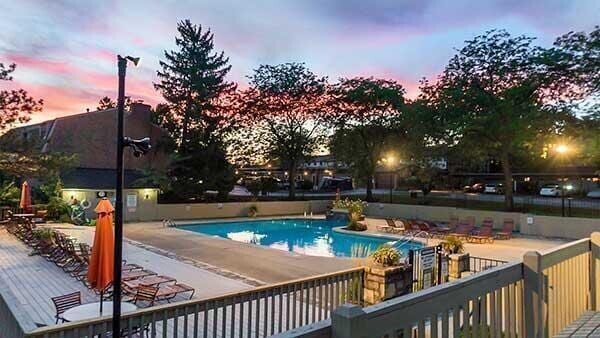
(135, 274)
(484, 233)
(387, 228)
(168, 292)
(65, 302)
(149, 281)
(463, 230)
(507, 229)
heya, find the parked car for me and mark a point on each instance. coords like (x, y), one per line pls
(494, 188)
(593, 194)
(552, 190)
(475, 188)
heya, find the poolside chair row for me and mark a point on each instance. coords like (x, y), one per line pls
(74, 257)
(463, 229)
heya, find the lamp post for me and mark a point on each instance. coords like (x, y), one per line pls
(140, 147)
(562, 150)
(389, 161)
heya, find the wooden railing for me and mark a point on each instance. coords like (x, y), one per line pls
(533, 299)
(259, 312)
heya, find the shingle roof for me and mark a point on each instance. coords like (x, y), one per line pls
(92, 136)
(89, 178)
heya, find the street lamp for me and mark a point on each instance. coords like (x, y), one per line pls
(562, 150)
(389, 162)
(140, 147)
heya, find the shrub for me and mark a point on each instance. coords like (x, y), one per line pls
(355, 209)
(57, 207)
(65, 218)
(355, 225)
(252, 210)
(453, 245)
(386, 255)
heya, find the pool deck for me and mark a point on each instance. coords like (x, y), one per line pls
(28, 282)
(260, 263)
(268, 265)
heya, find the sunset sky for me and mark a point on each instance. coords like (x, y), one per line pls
(65, 50)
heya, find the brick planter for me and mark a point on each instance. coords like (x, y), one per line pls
(457, 264)
(382, 283)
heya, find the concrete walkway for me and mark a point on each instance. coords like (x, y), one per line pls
(260, 263)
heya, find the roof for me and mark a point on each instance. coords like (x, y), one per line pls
(89, 178)
(92, 136)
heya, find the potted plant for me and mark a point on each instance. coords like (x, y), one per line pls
(386, 255)
(252, 210)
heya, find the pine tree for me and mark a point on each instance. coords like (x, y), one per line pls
(193, 78)
(197, 111)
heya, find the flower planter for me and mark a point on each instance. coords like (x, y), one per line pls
(382, 283)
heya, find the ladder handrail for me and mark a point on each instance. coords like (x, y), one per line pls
(408, 239)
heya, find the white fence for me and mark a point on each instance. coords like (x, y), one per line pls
(536, 298)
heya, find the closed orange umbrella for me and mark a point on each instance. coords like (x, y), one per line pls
(25, 202)
(100, 269)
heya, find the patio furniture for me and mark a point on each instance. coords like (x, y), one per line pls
(64, 303)
(147, 294)
(484, 233)
(134, 274)
(507, 229)
(149, 281)
(92, 310)
(463, 230)
(168, 292)
(390, 227)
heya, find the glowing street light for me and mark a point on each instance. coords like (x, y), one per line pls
(562, 149)
(389, 161)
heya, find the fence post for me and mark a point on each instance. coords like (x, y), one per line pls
(348, 321)
(595, 271)
(533, 294)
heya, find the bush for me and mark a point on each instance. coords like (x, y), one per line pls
(65, 219)
(386, 255)
(355, 225)
(305, 185)
(453, 245)
(57, 208)
(252, 210)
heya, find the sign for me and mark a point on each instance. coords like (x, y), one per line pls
(131, 200)
(427, 262)
(427, 258)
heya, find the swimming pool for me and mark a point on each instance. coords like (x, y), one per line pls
(313, 237)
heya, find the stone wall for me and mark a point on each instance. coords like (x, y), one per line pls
(382, 283)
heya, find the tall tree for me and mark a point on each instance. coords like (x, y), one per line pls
(285, 109)
(108, 103)
(493, 97)
(198, 110)
(16, 105)
(364, 114)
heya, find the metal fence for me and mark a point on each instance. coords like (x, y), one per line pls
(478, 264)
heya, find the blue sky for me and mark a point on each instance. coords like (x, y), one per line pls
(65, 50)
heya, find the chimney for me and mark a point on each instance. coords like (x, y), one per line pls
(140, 111)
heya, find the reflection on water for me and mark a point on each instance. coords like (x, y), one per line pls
(303, 236)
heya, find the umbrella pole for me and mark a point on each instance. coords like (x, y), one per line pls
(101, 300)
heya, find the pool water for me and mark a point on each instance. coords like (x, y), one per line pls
(304, 236)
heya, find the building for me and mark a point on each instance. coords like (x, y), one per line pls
(92, 137)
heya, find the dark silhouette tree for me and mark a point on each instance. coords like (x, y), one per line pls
(108, 103)
(364, 113)
(198, 111)
(285, 110)
(16, 105)
(493, 99)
